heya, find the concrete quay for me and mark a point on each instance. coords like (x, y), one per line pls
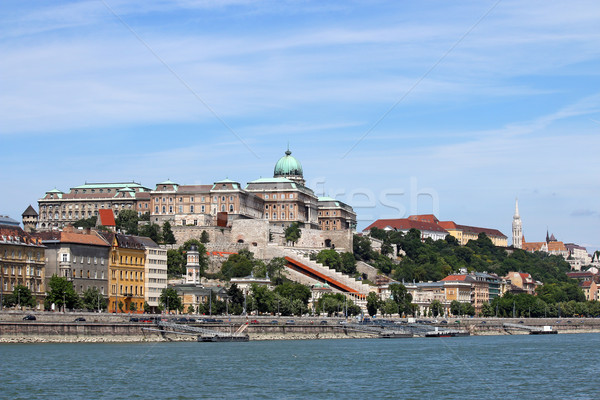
(59, 327)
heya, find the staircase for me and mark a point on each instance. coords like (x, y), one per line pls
(360, 288)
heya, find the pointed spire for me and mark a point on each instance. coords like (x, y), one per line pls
(516, 207)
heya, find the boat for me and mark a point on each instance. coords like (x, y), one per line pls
(394, 335)
(224, 338)
(449, 333)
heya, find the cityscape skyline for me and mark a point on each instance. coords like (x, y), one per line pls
(472, 105)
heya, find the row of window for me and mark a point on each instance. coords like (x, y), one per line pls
(18, 270)
(274, 215)
(327, 213)
(281, 196)
(131, 290)
(129, 275)
(274, 207)
(64, 257)
(34, 286)
(19, 255)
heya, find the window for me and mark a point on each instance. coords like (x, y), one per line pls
(222, 207)
(202, 209)
(95, 260)
(170, 199)
(230, 198)
(291, 215)
(191, 208)
(170, 209)
(164, 209)
(89, 260)
(192, 199)
(181, 199)
(180, 209)
(222, 198)
(283, 196)
(291, 195)
(156, 210)
(267, 215)
(266, 196)
(231, 208)
(282, 215)
(65, 257)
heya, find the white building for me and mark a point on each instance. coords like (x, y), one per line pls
(155, 271)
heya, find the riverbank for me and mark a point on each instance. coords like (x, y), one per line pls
(110, 328)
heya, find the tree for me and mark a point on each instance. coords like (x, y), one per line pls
(239, 265)
(372, 303)
(127, 220)
(152, 231)
(21, 297)
(170, 300)
(455, 307)
(86, 222)
(167, 233)
(436, 308)
(293, 233)
(401, 296)
(121, 304)
(61, 293)
(348, 263)
(204, 238)
(190, 309)
(236, 299)
(132, 307)
(147, 308)
(175, 263)
(389, 307)
(93, 300)
(293, 291)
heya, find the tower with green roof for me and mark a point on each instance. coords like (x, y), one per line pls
(289, 167)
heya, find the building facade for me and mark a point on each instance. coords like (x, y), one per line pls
(58, 209)
(155, 269)
(126, 273)
(80, 256)
(22, 261)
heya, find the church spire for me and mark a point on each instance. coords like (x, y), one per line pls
(517, 228)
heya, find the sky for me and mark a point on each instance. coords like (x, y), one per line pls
(395, 107)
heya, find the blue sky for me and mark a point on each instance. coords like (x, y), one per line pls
(455, 108)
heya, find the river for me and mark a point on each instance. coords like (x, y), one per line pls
(491, 367)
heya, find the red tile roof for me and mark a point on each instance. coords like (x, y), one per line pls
(106, 217)
(425, 218)
(74, 236)
(455, 278)
(405, 224)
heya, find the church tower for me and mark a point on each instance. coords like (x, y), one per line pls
(192, 273)
(517, 228)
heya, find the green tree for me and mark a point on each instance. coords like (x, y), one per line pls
(263, 298)
(86, 222)
(20, 297)
(190, 309)
(175, 263)
(127, 221)
(436, 308)
(239, 265)
(348, 263)
(401, 296)
(275, 266)
(151, 231)
(236, 299)
(132, 307)
(93, 300)
(204, 238)
(389, 307)
(455, 307)
(294, 291)
(293, 233)
(61, 293)
(147, 308)
(167, 233)
(372, 303)
(170, 300)
(121, 305)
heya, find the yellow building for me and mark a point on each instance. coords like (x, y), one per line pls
(126, 267)
(21, 261)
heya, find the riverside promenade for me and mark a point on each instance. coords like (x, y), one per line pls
(51, 327)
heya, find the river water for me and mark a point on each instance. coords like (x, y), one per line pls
(490, 367)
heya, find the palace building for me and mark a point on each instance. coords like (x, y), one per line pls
(282, 200)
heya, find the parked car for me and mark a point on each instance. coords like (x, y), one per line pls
(254, 321)
(134, 319)
(323, 322)
(290, 322)
(79, 319)
(274, 322)
(29, 318)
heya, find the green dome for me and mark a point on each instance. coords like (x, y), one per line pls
(288, 166)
